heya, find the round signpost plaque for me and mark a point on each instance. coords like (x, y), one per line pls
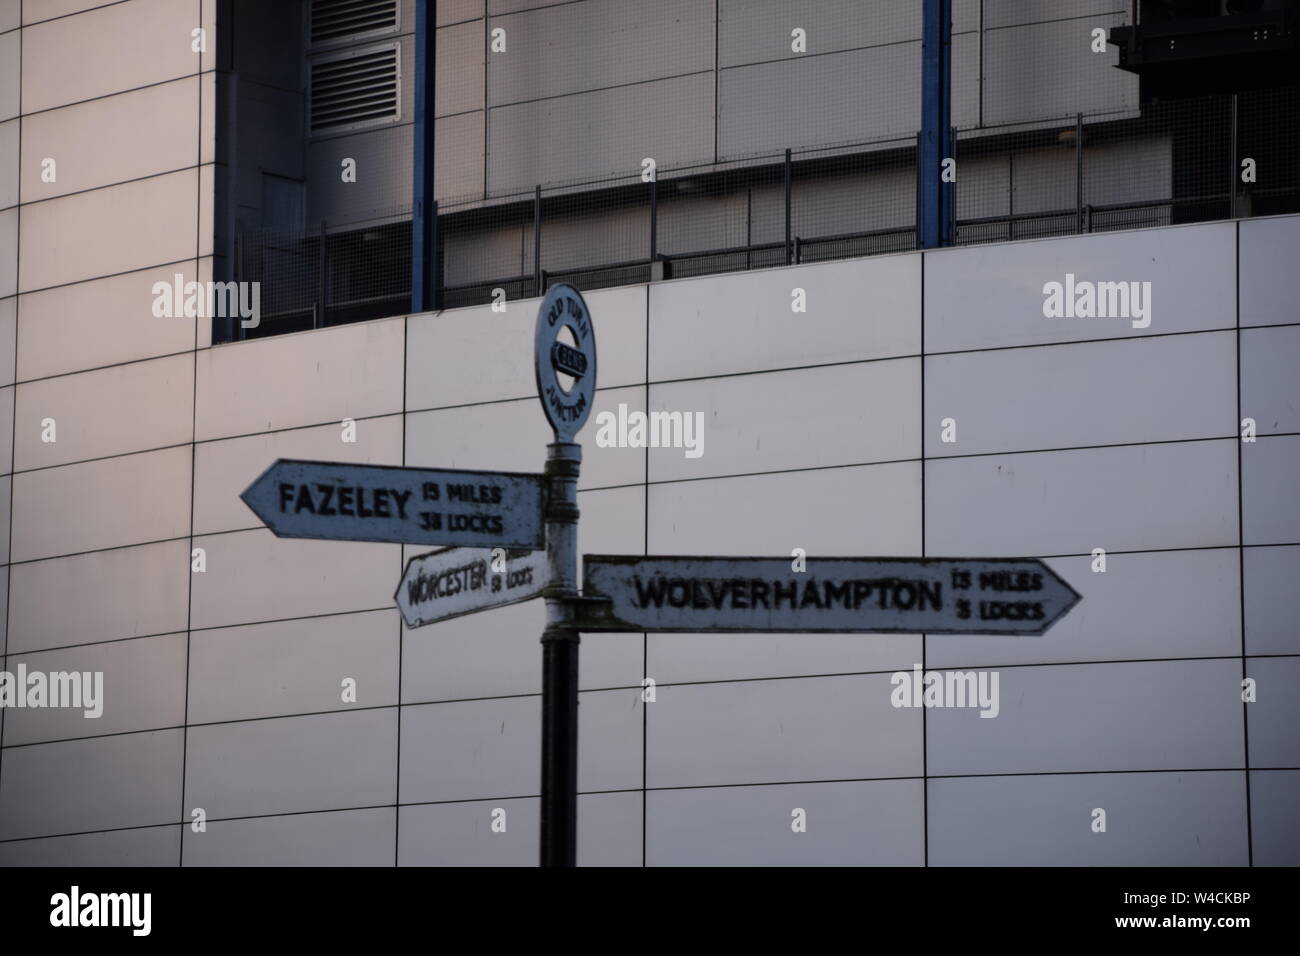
(566, 409)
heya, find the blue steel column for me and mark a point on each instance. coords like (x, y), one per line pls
(936, 123)
(426, 284)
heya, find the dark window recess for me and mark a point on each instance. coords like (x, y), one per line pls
(1183, 48)
(337, 19)
(841, 204)
(318, 278)
(354, 88)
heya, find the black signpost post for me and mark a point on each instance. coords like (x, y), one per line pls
(567, 410)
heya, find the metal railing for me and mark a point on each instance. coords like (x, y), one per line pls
(1170, 163)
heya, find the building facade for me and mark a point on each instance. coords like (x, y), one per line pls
(917, 403)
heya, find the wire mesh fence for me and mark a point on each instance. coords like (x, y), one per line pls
(1189, 160)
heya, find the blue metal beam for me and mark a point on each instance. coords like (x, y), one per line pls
(426, 284)
(935, 196)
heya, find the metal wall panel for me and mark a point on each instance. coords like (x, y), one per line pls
(1270, 387)
(10, 81)
(344, 838)
(864, 309)
(107, 231)
(461, 834)
(757, 31)
(1272, 602)
(151, 44)
(461, 70)
(100, 322)
(595, 44)
(1270, 474)
(1130, 498)
(308, 373)
(1145, 605)
(142, 687)
(143, 846)
(1009, 307)
(667, 120)
(1005, 13)
(111, 140)
(106, 412)
(253, 576)
(315, 762)
(1093, 393)
(1270, 288)
(8, 252)
(877, 823)
(122, 593)
(851, 97)
(383, 184)
(1047, 820)
(1046, 70)
(1082, 717)
(136, 499)
(1274, 795)
(9, 165)
(774, 731)
(449, 11)
(293, 667)
(1275, 712)
(104, 783)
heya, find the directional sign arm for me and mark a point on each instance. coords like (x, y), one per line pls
(455, 581)
(346, 502)
(833, 595)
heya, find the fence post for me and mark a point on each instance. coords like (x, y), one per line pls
(788, 249)
(950, 201)
(435, 267)
(1078, 171)
(654, 220)
(235, 330)
(1232, 189)
(426, 283)
(749, 228)
(319, 322)
(537, 239)
(936, 120)
(916, 213)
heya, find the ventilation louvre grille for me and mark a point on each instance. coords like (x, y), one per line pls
(359, 88)
(336, 19)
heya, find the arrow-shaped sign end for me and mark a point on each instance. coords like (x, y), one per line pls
(1066, 607)
(253, 495)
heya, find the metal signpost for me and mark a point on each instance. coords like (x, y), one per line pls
(567, 409)
(495, 526)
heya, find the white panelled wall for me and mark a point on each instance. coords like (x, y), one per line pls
(822, 432)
